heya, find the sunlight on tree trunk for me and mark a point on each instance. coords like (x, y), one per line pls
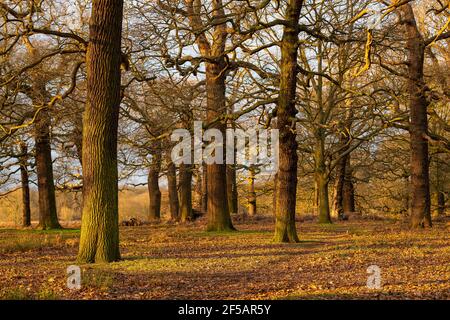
(185, 184)
(24, 178)
(285, 230)
(99, 240)
(418, 128)
(48, 218)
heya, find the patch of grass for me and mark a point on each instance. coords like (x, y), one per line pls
(23, 244)
(15, 294)
(46, 294)
(237, 261)
(98, 279)
(39, 231)
(21, 293)
(54, 231)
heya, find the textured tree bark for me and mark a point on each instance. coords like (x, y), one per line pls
(99, 240)
(339, 189)
(26, 210)
(204, 199)
(186, 213)
(344, 201)
(232, 193)
(154, 193)
(172, 190)
(418, 127)
(251, 193)
(219, 218)
(285, 230)
(348, 192)
(48, 218)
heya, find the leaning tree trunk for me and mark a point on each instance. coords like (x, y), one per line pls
(185, 191)
(172, 190)
(99, 240)
(154, 193)
(285, 230)
(26, 210)
(219, 218)
(418, 127)
(48, 218)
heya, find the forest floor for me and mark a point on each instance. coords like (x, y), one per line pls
(183, 262)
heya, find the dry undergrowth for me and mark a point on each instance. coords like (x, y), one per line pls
(184, 262)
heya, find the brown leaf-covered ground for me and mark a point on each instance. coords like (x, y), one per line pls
(169, 261)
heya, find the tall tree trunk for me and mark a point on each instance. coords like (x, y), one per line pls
(418, 128)
(348, 192)
(26, 210)
(219, 218)
(275, 179)
(154, 193)
(339, 188)
(321, 179)
(172, 190)
(186, 213)
(99, 240)
(204, 200)
(251, 193)
(285, 230)
(48, 218)
(232, 193)
(344, 201)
